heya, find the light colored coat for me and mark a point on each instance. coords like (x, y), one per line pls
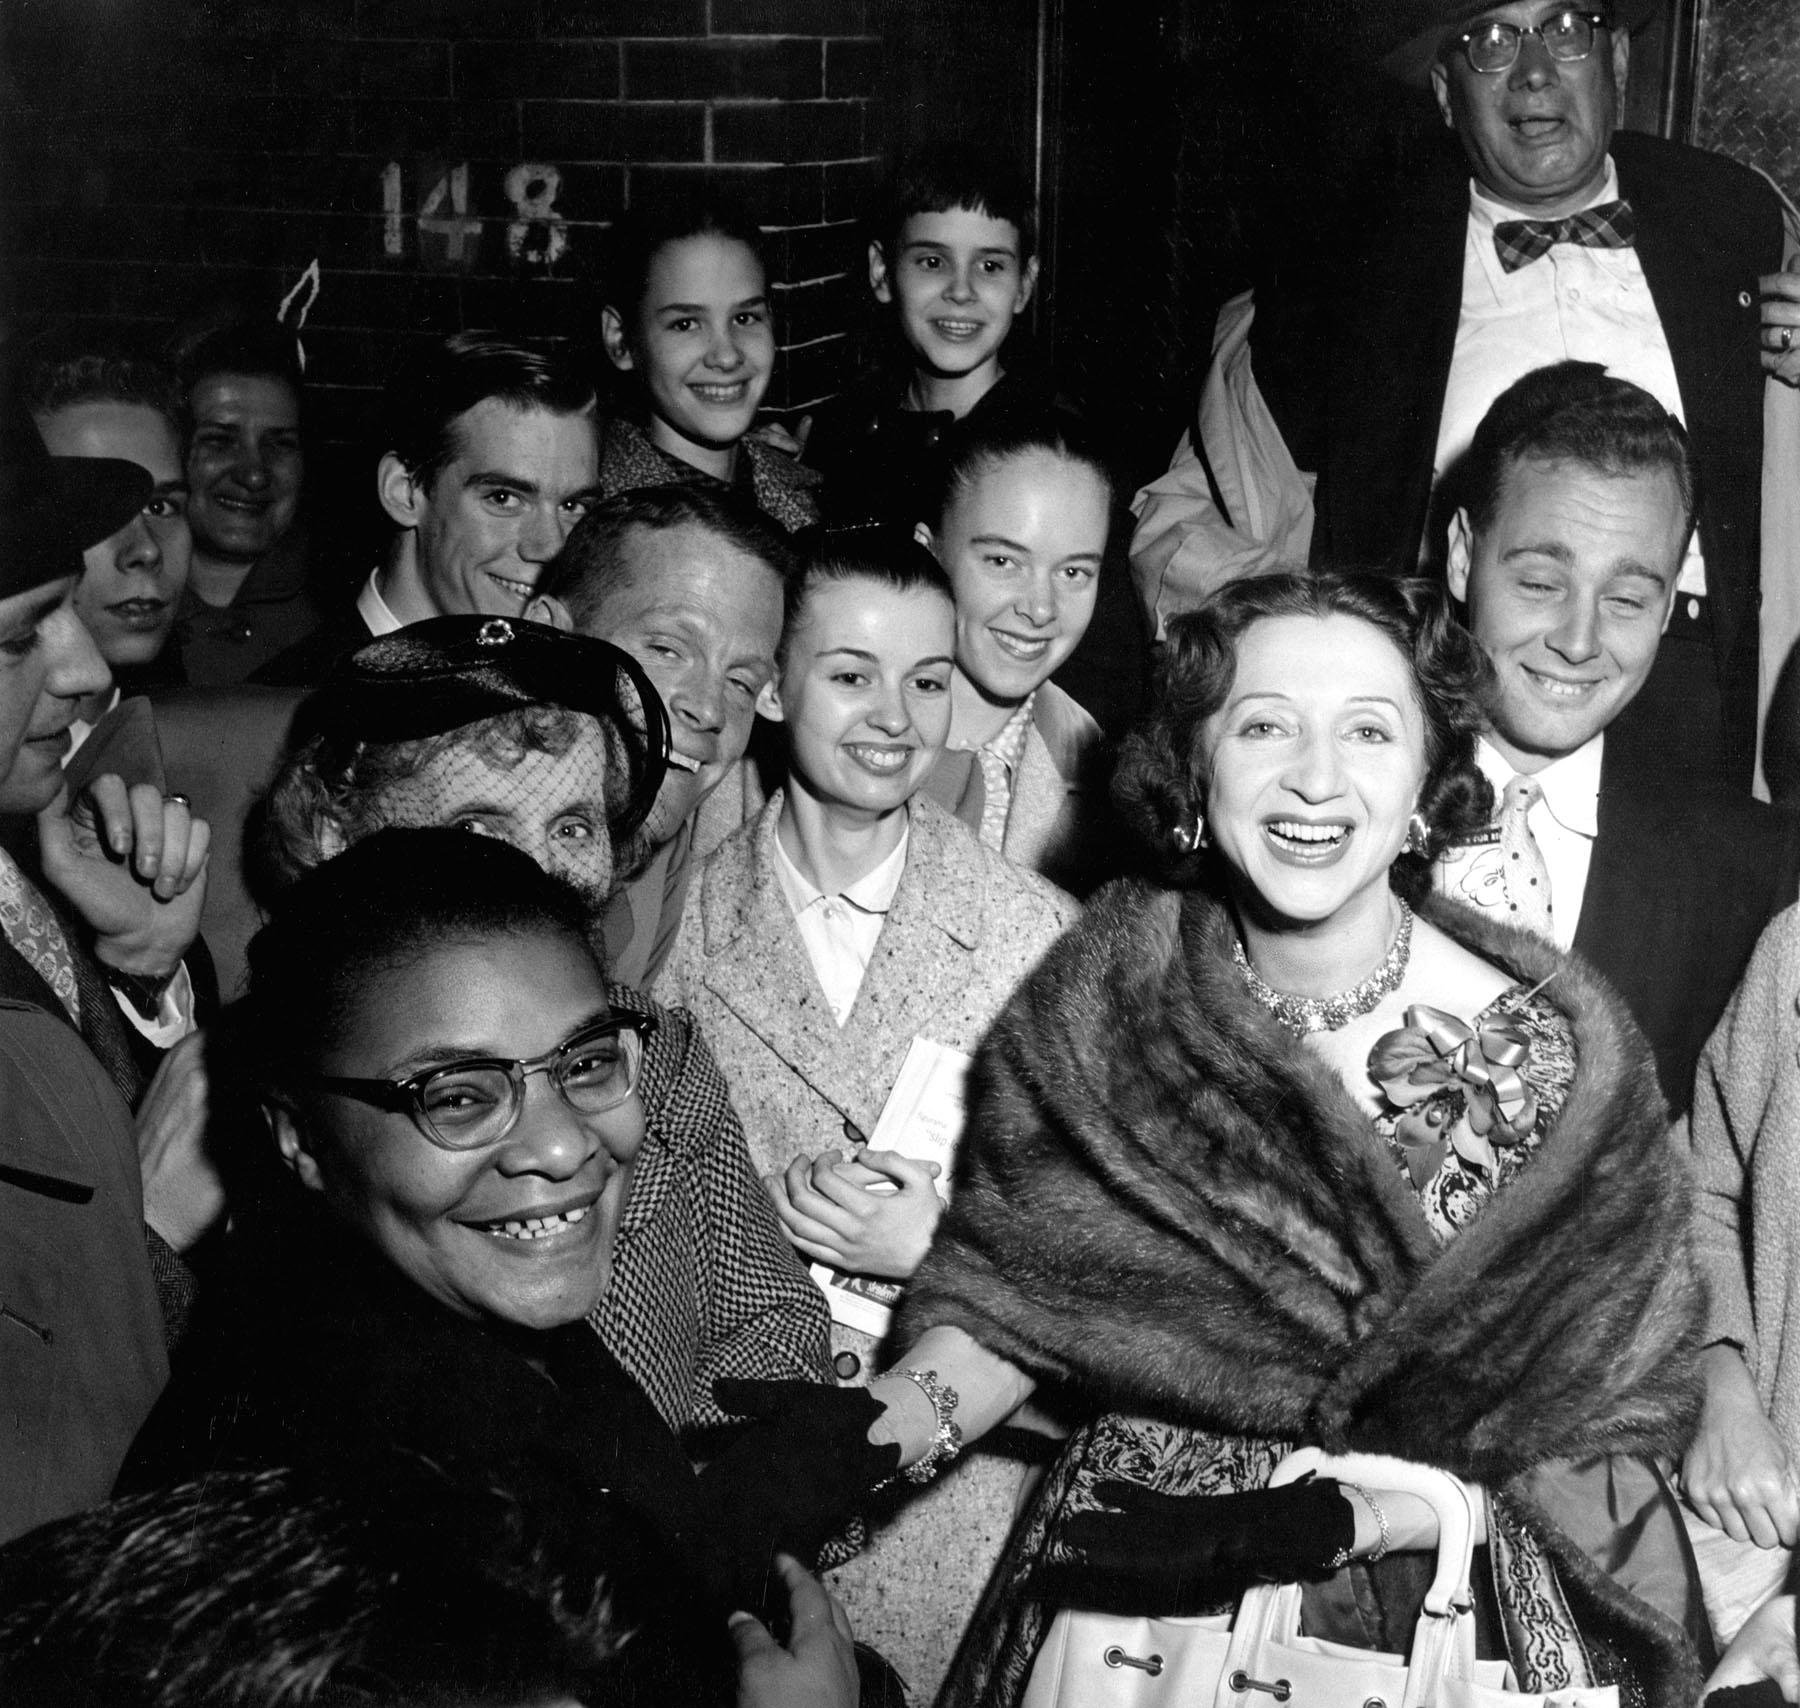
(1746, 1145)
(965, 927)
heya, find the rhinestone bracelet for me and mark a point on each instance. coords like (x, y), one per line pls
(947, 1438)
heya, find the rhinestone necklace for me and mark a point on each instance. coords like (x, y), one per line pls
(1303, 1014)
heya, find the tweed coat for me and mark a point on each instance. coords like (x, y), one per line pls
(965, 927)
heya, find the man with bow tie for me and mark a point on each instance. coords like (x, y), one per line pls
(1575, 506)
(1547, 237)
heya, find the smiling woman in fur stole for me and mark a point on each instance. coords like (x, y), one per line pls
(1261, 1157)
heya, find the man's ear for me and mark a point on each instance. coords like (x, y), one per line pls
(1459, 557)
(292, 1144)
(768, 702)
(612, 335)
(1440, 87)
(402, 497)
(878, 273)
(547, 608)
(922, 533)
(1621, 68)
(1027, 284)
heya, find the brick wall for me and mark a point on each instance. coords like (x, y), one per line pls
(449, 163)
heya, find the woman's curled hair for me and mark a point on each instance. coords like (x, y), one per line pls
(1160, 780)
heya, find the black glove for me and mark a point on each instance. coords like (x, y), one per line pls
(791, 1479)
(1161, 1553)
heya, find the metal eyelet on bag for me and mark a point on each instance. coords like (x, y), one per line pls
(1376, 1702)
(1241, 1681)
(1117, 1657)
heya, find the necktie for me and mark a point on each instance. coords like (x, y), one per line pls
(33, 929)
(1519, 242)
(1522, 867)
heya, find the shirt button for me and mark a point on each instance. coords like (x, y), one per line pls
(846, 1366)
(1694, 610)
(1743, 299)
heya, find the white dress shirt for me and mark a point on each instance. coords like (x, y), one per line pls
(1573, 304)
(839, 931)
(1564, 824)
(374, 610)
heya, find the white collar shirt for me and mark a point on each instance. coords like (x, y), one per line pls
(1564, 824)
(1573, 304)
(839, 931)
(374, 610)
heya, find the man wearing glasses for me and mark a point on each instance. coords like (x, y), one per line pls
(1549, 237)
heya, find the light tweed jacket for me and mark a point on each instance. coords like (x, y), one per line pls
(965, 927)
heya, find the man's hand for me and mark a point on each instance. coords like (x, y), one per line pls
(816, 1668)
(1737, 1475)
(1764, 1648)
(1781, 320)
(873, 1215)
(132, 863)
(183, 1195)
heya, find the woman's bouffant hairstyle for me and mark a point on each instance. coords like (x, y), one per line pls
(873, 552)
(1161, 777)
(379, 905)
(975, 449)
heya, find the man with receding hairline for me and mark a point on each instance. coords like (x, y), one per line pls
(692, 585)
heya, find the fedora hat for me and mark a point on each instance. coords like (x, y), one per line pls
(53, 508)
(1418, 29)
(445, 673)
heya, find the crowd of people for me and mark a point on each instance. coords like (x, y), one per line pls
(643, 1106)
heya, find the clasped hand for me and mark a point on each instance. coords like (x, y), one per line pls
(1780, 334)
(132, 863)
(872, 1214)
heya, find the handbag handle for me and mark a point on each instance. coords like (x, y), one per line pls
(1446, 1495)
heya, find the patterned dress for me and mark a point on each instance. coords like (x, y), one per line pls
(994, 1663)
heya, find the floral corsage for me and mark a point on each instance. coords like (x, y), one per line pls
(1456, 1089)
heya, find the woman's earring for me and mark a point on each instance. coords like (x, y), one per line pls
(1418, 835)
(1189, 834)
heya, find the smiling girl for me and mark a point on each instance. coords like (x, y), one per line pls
(687, 317)
(1021, 529)
(851, 917)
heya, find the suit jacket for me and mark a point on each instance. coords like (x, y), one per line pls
(1678, 891)
(1706, 228)
(82, 1355)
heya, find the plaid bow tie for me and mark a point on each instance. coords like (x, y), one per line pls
(1519, 242)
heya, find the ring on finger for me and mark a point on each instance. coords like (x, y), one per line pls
(1786, 338)
(179, 800)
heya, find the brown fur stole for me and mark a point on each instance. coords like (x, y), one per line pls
(1165, 1202)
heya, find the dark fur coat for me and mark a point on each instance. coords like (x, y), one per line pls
(1167, 1204)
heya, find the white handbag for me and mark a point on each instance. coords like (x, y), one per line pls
(1259, 1658)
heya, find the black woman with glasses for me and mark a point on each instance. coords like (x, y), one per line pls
(457, 1125)
(1541, 234)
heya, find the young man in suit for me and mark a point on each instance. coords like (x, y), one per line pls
(1577, 497)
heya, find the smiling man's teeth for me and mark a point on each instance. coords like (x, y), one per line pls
(519, 589)
(536, 1227)
(1562, 690)
(1297, 831)
(682, 761)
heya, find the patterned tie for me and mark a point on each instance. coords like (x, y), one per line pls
(1522, 865)
(30, 926)
(1519, 242)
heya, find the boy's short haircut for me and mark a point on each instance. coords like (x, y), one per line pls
(952, 175)
(433, 388)
(63, 376)
(593, 560)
